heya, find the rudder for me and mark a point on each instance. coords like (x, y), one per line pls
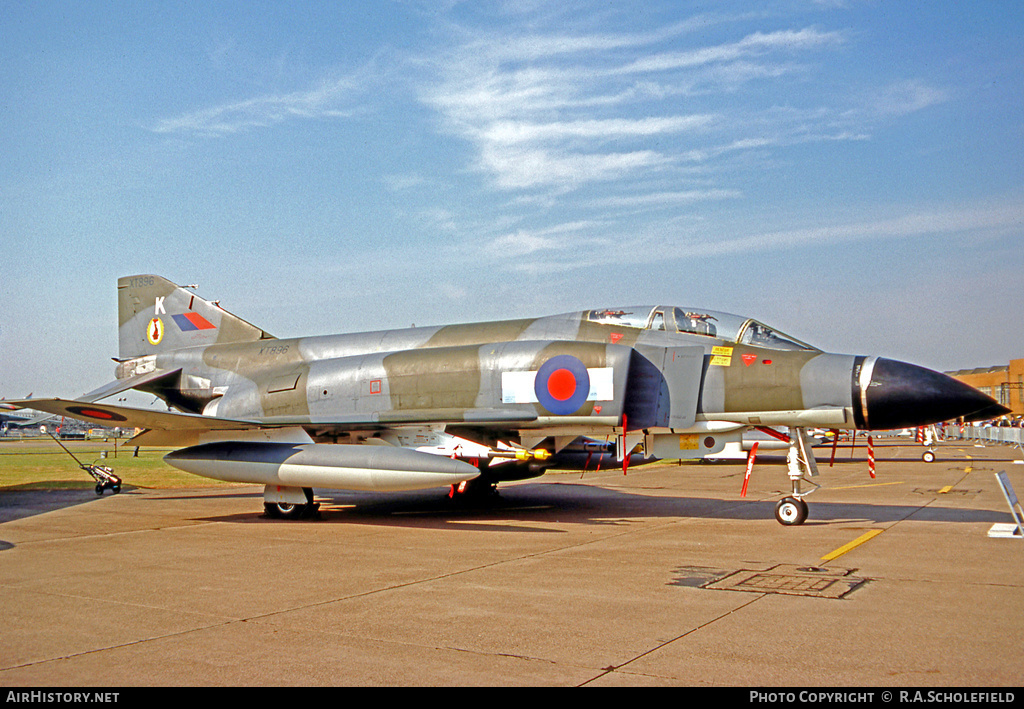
(156, 315)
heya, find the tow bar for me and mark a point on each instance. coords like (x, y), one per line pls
(104, 476)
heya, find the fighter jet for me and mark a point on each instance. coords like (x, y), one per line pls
(468, 406)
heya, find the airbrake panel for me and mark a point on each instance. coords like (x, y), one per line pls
(664, 387)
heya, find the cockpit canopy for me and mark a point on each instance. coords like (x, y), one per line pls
(722, 326)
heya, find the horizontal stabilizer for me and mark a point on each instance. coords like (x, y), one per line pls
(120, 385)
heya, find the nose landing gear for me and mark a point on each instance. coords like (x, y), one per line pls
(792, 510)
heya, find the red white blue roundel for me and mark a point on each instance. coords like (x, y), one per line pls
(562, 385)
(95, 413)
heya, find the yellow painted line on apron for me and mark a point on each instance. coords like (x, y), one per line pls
(967, 471)
(852, 545)
(855, 487)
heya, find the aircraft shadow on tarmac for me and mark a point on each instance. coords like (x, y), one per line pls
(18, 504)
(529, 503)
(579, 503)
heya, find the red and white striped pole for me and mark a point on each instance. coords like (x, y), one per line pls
(750, 466)
(871, 457)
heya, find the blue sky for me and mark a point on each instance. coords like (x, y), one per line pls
(849, 172)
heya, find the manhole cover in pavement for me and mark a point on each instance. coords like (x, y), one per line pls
(818, 582)
(947, 491)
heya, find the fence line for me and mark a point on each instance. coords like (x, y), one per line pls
(990, 434)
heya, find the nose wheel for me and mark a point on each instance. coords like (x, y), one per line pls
(791, 511)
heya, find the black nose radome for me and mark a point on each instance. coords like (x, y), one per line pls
(902, 395)
(990, 412)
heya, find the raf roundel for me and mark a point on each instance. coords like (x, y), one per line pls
(562, 385)
(95, 413)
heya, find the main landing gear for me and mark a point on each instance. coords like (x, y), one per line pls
(473, 491)
(289, 502)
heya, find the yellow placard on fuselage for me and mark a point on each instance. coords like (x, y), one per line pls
(721, 356)
(689, 442)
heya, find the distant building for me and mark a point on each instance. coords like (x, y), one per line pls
(1003, 383)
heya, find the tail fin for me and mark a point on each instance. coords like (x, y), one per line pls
(155, 316)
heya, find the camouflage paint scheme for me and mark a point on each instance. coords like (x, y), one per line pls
(661, 380)
(426, 374)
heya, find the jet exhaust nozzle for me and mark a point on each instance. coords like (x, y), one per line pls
(334, 466)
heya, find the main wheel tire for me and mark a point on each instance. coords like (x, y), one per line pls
(285, 510)
(928, 457)
(791, 511)
(293, 510)
(474, 492)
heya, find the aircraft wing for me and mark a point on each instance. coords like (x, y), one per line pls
(131, 417)
(177, 428)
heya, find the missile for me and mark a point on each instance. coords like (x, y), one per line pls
(335, 466)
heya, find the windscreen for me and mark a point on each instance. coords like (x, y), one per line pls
(636, 316)
(692, 321)
(735, 328)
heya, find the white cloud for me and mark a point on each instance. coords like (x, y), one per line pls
(558, 240)
(905, 97)
(327, 99)
(600, 243)
(522, 243)
(521, 168)
(973, 220)
(754, 44)
(402, 182)
(666, 199)
(510, 132)
(559, 112)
